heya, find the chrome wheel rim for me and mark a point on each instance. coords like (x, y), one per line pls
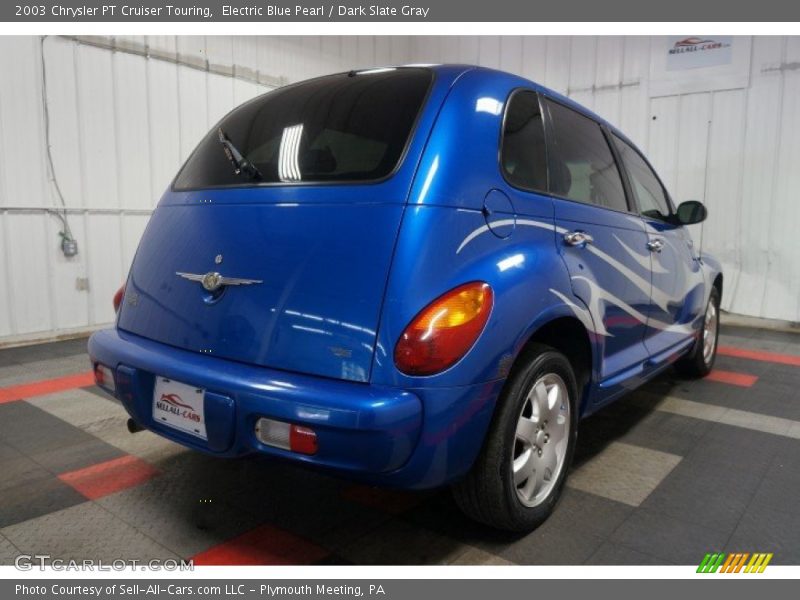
(710, 332)
(541, 439)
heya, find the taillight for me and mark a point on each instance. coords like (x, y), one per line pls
(444, 330)
(104, 377)
(287, 436)
(118, 298)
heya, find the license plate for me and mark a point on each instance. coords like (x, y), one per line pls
(179, 406)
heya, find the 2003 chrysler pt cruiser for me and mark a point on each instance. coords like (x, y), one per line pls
(412, 276)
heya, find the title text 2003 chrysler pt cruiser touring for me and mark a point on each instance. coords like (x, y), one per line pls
(412, 276)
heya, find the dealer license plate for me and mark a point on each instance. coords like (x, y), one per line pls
(179, 406)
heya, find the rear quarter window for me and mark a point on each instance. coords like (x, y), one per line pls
(347, 127)
(522, 154)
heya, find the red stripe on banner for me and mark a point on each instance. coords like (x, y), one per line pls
(48, 386)
(740, 379)
(264, 545)
(761, 355)
(109, 477)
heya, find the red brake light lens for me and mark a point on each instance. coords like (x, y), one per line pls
(118, 298)
(444, 330)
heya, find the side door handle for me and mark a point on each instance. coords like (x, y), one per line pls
(577, 238)
(655, 245)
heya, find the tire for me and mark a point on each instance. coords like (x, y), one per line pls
(489, 493)
(700, 361)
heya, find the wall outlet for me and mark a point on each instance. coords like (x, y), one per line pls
(82, 284)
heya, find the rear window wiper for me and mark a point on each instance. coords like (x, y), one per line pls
(238, 160)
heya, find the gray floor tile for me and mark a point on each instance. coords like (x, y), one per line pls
(76, 456)
(623, 473)
(614, 554)
(18, 374)
(780, 488)
(31, 430)
(87, 531)
(410, 545)
(768, 530)
(35, 498)
(675, 540)
(78, 407)
(545, 546)
(712, 497)
(8, 552)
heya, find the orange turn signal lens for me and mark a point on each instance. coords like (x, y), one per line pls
(445, 330)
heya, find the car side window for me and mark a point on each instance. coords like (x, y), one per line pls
(582, 166)
(649, 192)
(522, 154)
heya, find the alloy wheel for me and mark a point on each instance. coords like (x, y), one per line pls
(541, 439)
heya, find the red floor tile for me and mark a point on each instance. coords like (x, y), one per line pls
(761, 355)
(108, 477)
(265, 545)
(47, 386)
(740, 379)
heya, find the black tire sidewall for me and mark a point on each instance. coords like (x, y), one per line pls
(712, 299)
(546, 361)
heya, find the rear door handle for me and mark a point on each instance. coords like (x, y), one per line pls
(655, 245)
(577, 238)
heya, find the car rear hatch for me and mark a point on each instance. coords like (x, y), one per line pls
(285, 264)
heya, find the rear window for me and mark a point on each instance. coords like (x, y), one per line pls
(348, 127)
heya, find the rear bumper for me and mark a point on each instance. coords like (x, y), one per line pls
(407, 438)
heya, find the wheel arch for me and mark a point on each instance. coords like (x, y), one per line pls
(567, 334)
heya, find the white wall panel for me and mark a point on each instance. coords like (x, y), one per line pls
(783, 273)
(694, 122)
(69, 306)
(23, 155)
(106, 272)
(663, 136)
(98, 125)
(511, 53)
(219, 93)
(723, 196)
(534, 58)
(583, 54)
(609, 60)
(192, 109)
(134, 184)
(8, 322)
(65, 133)
(489, 51)
(748, 284)
(557, 69)
(607, 104)
(27, 245)
(164, 119)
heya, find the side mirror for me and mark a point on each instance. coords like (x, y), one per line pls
(690, 212)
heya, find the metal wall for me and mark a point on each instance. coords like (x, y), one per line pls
(125, 112)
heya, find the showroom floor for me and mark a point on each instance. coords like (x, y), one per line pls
(679, 469)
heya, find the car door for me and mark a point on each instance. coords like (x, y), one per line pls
(601, 239)
(677, 296)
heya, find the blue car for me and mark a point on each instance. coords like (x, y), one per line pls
(412, 277)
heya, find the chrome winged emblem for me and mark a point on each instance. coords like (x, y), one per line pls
(212, 281)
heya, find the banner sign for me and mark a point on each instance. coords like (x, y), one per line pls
(695, 52)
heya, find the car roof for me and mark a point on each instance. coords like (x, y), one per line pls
(454, 71)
